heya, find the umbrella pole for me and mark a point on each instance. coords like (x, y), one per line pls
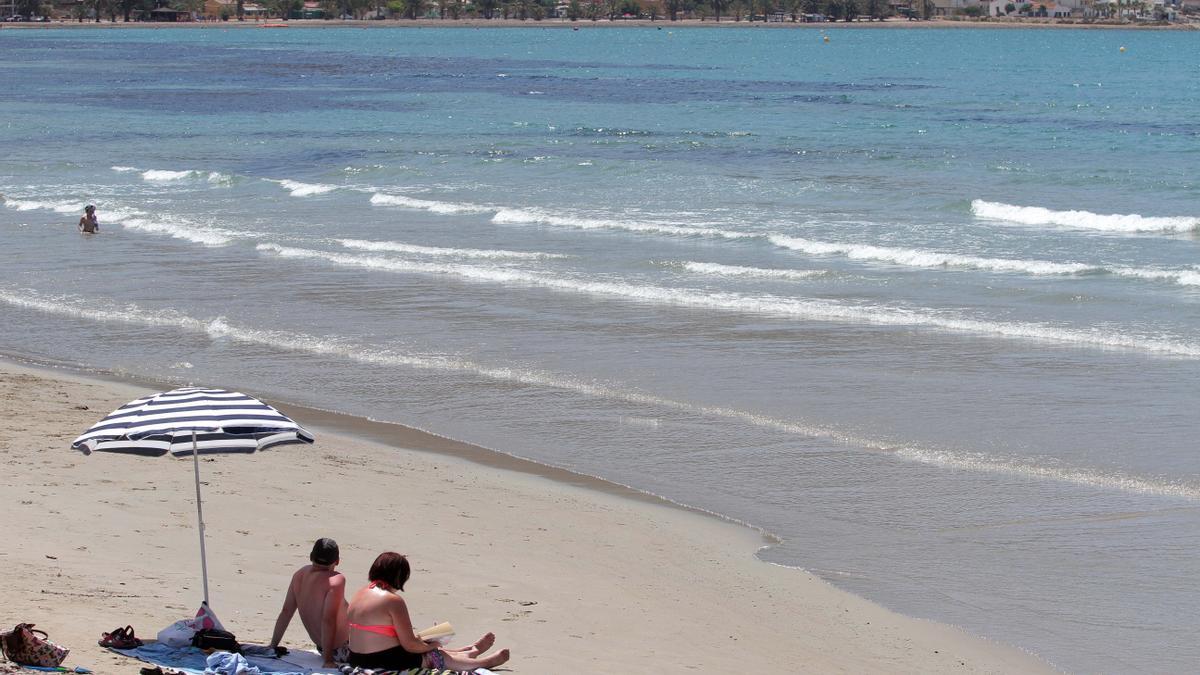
(200, 515)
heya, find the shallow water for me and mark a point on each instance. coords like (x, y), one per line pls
(922, 303)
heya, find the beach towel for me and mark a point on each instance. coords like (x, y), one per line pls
(358, 670)
(194, 661)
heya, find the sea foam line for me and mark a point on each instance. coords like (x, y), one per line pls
(428, 205)
(864, 252)
(919, 258)
(298, 189)
(162, 175)
(1084, 220)
(715, 269)
(542, 217)
(101, 310)
(35, 205)
(134, 219)
(933, 259)
(399, 247)
(792, 308)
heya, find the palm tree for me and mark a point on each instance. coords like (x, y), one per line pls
(717, 6)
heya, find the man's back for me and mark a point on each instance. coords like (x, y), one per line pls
(313, 587)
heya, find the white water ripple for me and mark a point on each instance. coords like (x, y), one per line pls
(104, 311)
(437, 251)
(783, 307)
(298, 189)
(428, 205)
(715, 269)
(1083, 220)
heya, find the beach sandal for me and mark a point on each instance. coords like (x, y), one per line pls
(121, 638)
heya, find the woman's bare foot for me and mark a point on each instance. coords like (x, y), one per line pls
(482, 644)
(497, 659)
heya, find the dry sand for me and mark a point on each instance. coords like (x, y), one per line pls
(570, 577)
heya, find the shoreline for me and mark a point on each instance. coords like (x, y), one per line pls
(404, 436)
(588, 557)
(892, 23)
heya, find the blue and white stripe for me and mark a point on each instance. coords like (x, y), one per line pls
(223, 421)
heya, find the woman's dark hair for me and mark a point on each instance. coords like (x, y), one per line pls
(391, 569)
(324, 552)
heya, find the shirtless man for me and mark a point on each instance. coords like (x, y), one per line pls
(319, 592)
(88, 224)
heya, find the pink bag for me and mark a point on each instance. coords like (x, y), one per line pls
(22, 645)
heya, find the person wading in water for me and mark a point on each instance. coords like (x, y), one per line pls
(88, 224)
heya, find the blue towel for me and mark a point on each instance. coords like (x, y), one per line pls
(228, 663)
(194, 661)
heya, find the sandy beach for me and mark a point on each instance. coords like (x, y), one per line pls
(570, 575)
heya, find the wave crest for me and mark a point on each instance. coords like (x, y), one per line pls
(428, 204)
(1084, 220)
(298, 189)
(398, 247)
(809, 309)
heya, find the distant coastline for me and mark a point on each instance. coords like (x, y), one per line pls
(892, 23)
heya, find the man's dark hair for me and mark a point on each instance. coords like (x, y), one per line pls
(325, 552)
(390, 569)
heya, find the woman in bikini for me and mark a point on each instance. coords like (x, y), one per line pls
(382, 635)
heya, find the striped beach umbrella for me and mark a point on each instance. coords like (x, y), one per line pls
(192, 421)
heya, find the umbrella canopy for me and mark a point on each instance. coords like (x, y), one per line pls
(192, 420)
(223, 421)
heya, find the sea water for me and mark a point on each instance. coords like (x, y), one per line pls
(925, 304)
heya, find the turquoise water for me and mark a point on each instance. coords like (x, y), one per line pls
(923, 303)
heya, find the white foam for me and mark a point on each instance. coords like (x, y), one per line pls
(124, 169)
(36, 205)
(134, 219)
(1182, 277)
(919, 258)
(101, 310)
(792, 308)
(298, 189)
(1085, 220)
(398, 247)
(538, 216)
(752, 272)
(163, 176)
(208, 236)
(428, 205)
(935, 259)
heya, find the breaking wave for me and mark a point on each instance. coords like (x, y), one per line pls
(751, 272)
(783, 307)
(35, 205)
(934, 259)
(208, 236)
(160, 175)
(298, 189)
(1083, 220)
(398, 247)
(134, 219)
(511, 216)
(918, 258)
(428, 205)
(102, 311)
